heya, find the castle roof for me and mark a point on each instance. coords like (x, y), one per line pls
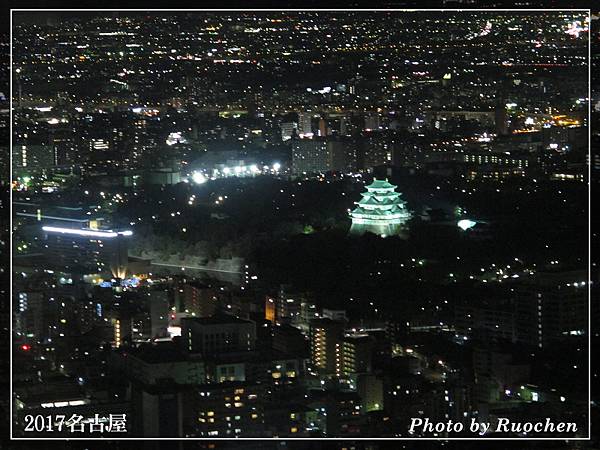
(380, 185)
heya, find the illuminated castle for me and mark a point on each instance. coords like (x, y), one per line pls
(381, 211)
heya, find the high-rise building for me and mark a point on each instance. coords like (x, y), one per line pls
(29, 316)
(354, 355)
(501, 120)
(198, 300)
(380, 149)
(322, 127)
(381, 211)
(543, 309)
(310, 156)
(231, 409)
(219, 334)
(346, 126)
(343, 154)
(305, 124)
(293, 308)
(323, 155)
(370, 390)
(488, 320)
(290, 340)
(372, 122)
(494, 369)
(550, 307)
(270, 309)
(287, 130)
(158, 409)
(34, 157)
(158, 306)
(325, 341)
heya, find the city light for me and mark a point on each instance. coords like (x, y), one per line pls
(199, 177)
(175, 138)
(262, 208)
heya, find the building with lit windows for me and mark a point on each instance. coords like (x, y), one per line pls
(305, 124)
(270, 309)
(354, 355)
(310, 156)
(551, 306)
(33, 157)
(287, 130)
(320, 155)
(381, 211)
(325, 341)
(231, 409)
(198, 300)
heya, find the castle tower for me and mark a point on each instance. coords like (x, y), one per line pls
(381, 211)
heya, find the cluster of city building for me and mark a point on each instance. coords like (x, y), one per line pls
(97, 332)
(138, 139)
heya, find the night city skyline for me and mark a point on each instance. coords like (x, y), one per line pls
(300, 224)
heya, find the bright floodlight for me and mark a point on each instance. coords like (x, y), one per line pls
(254, 168)
(87, 232)
(198, 177)
(276, 167)
(465, 224)
(226, 170)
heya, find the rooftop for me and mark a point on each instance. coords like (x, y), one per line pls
(381, 184)
(220, 319)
